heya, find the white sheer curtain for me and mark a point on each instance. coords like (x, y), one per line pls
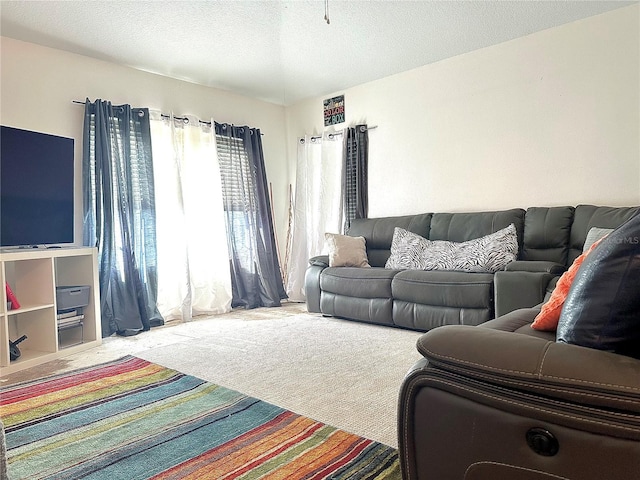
(193, 261)
(317, 205)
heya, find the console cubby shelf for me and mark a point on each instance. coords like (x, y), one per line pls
(33, 276)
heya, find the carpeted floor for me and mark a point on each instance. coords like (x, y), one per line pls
(343, 373)
(132, 419)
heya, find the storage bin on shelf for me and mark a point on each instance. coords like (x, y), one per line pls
(70, 302)
(69, 297)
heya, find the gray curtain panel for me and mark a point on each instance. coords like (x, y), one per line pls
(355, 175)
(255, 269)
(119, 214)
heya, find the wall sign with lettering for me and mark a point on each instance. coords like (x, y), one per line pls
(333, 110)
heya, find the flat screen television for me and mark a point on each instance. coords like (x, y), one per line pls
(36, 188)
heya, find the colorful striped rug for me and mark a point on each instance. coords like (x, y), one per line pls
(132, 419)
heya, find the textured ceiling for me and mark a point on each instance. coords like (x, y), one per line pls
(282, 51)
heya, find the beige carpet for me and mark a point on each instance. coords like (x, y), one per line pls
(343, 373)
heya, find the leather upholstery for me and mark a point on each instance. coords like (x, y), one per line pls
(467, 408)
(536, 266)
(548, 236)
(460, 227)
(587, 216)
(354, 282)
(551, 235)
(373, 310)
(418, 300)
(435, 288)
(425, 300)
(379, 233)
(312, 287)
(515, 289)
(353, 293)
(418, 316)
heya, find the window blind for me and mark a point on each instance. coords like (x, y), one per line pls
(236, 176)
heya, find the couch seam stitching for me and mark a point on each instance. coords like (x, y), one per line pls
(562, 390)
(439, 356)
(542, 409)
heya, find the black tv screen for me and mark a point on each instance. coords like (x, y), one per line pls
(36, 188)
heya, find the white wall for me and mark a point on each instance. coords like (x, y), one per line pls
(547, 119)
(38, 86)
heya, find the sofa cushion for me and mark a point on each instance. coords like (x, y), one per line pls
(519, 321)
(588, 216)
(460, 227)
(546, 234)
(423, 300)
(417, 316)
(486, 254)
(443, 288)
(602, 309)
(372, 282)
(346, 251)
(379, 233)
(374, 310)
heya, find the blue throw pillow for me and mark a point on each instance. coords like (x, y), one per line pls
(602, 309)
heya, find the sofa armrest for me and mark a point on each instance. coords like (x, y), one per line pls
(532, 365)
(536, 266)
(312, 287)
(520, 289)
(489, 397)
(519, 321)
(319, 261)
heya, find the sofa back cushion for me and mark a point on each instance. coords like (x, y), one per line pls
(461, 227)
(588, 216)
(554, 234)
(546, 234)
(378, 233)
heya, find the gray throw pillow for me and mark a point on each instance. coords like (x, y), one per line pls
(602, 308)
(595, 234)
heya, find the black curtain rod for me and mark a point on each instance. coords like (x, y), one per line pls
(362, 128)
(164, 115)
(341, 132)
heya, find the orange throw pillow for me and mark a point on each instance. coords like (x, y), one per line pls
(549, 315)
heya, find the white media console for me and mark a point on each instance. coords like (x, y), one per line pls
(33, 275)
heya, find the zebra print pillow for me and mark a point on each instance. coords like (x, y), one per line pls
(486, 254)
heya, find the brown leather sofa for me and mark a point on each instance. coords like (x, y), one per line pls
(502, 401)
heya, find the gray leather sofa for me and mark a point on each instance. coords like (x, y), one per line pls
(549, 239)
